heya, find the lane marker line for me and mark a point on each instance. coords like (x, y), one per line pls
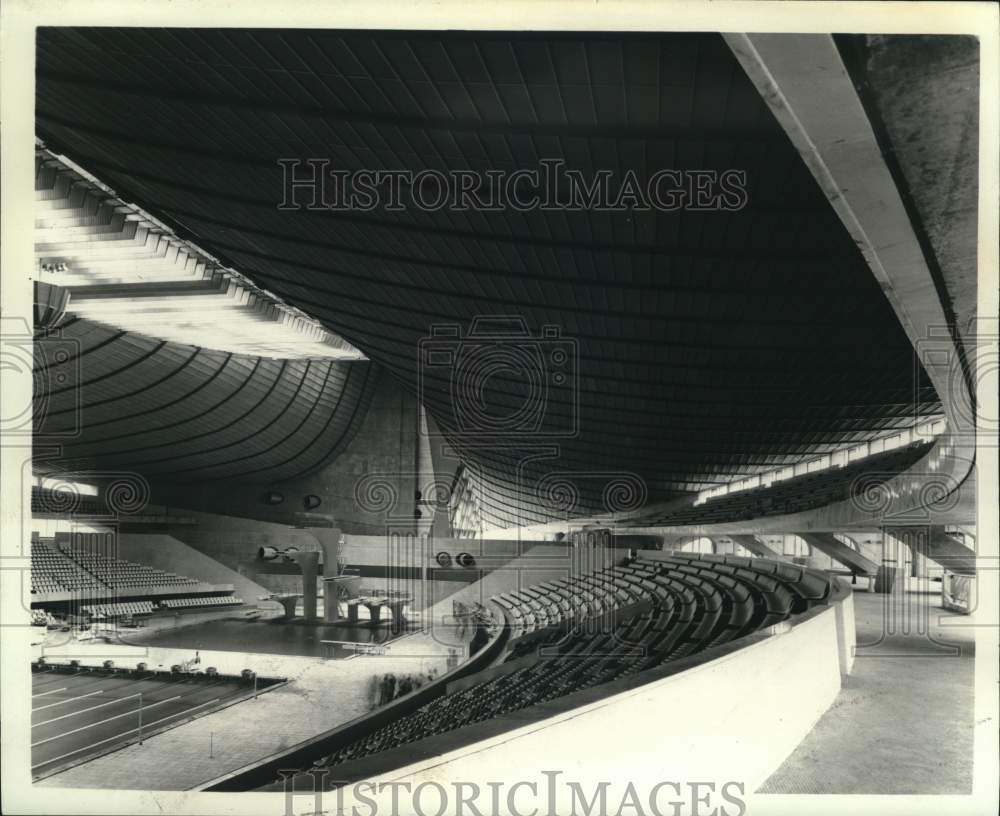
(92, 708)
(42, 694)
(102, 722)
(123, 733)
(63, 702)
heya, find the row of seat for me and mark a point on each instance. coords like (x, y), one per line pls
(81, 564)
(60, 565)
(800, 493)
(119, 610)
(53, 571)
(119, 573)
(205, 600)
(692, 603)
(552, 602)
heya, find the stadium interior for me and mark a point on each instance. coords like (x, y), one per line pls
(328, 495)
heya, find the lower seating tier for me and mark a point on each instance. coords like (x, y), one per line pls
(566, 636)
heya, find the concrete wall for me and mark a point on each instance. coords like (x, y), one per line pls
(371, 482)
(233, 542)
(508, 566)
(732, 719)
(388, 443)
(501, 566)
(398, 560)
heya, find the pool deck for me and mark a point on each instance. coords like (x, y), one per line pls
(320, 695)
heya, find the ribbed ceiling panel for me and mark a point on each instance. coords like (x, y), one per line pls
(710, 344)
(118, 400)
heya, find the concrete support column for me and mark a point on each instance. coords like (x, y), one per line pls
(334, 588)
(816, 559)
(374, 612)
(891, 556)
(309, 564)
(723, 545)
(914, 539)
(398, 619)
(289, 605)
(918, 561)
(754, 545)
(331, 603)
(934, 543)
(673, 541)
(444, 464)
(829, 544)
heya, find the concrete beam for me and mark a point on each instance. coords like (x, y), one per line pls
(828, 544)
(754, 545)
(309, 564)
(289, 602)
(804, 81)
(934, 543)
(445, 463)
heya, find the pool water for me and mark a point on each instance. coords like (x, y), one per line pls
(268, 637)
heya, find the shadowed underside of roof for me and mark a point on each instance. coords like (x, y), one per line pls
(710, 344)
(120, 401)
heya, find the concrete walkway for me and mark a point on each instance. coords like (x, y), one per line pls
(321, 694)
(903, 723)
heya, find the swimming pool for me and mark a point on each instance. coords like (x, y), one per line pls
(268, 637)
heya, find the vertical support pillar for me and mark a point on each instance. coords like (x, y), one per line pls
(329, 539)
(886, 577)
(918, 557)
(289, 605)
(309, 564)
(723, 545)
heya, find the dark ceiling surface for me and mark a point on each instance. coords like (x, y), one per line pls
(708, 345)
(109, 401)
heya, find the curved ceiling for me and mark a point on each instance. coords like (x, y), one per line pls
(114, 401)
(709, 344)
